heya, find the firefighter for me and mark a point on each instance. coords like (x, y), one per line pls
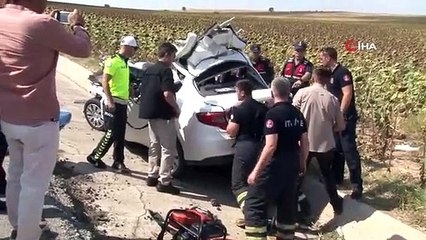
(246, 126)
(262, 64)
(282, 160)
(298, 69)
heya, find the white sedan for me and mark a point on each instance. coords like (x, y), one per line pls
(206, 70)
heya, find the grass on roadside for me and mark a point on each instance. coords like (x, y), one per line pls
(330, 236)
(398, 194)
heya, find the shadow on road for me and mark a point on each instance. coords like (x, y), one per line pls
(208, 183)
(396, 237)
(315, 191)
(201, 183)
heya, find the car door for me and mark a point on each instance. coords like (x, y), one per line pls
(137, 128)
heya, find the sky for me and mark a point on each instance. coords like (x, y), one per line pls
(412, 7)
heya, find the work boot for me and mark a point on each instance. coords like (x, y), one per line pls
(151, 182)
(97, 163)
(241, 223)
(356, 193)
(169, 188)
(338, 206)
(118, 166)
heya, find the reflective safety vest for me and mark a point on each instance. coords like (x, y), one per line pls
(261, 65)
(117, 67)
(295, 72)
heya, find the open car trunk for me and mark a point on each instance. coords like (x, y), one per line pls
(217, 86)
(221, 79)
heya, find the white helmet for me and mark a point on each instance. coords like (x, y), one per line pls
(129, 41)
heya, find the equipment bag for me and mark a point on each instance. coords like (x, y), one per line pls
(192, 224)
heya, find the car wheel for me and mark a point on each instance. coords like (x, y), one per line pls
(179, 163)
(93, 114)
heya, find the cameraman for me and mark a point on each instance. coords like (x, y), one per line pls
(29, 108)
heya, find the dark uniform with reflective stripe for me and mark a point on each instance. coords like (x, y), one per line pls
(277, 182)
(250, 116)
(346, 143)
(115, 121)
(294, 72)
(265, 67)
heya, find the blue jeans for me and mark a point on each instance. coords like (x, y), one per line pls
(346, 149)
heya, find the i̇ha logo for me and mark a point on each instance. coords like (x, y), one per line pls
(353, 45)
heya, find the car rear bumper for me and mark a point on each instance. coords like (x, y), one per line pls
(213, 161)
(209, 146)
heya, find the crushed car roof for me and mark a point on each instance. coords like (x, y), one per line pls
(219, 44)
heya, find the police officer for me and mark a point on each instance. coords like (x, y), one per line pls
(115, 84)
(283, 158)
(246, 126)
(341, 86)
(262, 64)
(298, 69)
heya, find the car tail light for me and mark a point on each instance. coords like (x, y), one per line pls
(216, 119)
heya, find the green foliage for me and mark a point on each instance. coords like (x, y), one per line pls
(390, 82)
(416, 126)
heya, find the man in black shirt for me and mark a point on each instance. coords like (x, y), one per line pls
(158, 105)
(283, 158)
(246, 125)
(341, 86)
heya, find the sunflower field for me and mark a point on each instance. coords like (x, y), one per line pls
(390, 80)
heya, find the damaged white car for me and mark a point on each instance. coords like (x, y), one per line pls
(206, 70)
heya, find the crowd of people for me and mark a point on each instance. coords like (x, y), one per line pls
(274, 144)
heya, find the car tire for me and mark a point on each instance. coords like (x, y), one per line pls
(93, 113)
(179, 165)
